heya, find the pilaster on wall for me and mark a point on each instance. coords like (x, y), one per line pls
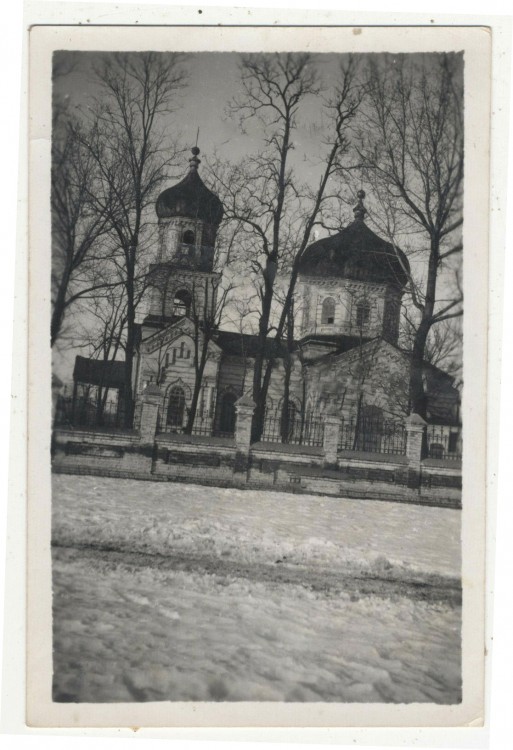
(415, 427)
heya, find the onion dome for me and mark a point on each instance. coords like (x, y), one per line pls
(190, 198)
(356, 253)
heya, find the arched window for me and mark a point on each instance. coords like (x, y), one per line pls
(182, 303)
(227, 416)
(370, 428)
(362, 314)
(328, 311)
(292, 411)
(290, 426)
(176, 407)
(188, 237)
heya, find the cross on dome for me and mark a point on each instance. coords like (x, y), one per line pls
(359, 210)
(194, 161)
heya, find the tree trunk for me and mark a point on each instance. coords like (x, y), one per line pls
(356, 440)
(418, 399)
(417, 395)
(129, 360)
(196, 392)
(260, 387)
(59, 308)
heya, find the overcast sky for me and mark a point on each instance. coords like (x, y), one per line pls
(212, 82)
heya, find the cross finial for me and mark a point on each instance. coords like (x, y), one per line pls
(194, 161)
(359, 210)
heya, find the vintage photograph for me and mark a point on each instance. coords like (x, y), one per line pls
(257, 348)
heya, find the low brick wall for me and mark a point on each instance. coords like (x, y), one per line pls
(359, 475)
(101, 450)
(195, 458)
(441, 479)
(220, 462)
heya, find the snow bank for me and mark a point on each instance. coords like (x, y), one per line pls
(253, 526)
(128, 629)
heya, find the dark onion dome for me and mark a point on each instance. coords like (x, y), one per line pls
(190, 198)
(356, 253)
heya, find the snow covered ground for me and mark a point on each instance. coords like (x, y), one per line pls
(167, 591)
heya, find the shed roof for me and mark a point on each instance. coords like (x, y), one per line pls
(109, 374)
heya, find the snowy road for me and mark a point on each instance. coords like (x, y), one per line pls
(177, 592)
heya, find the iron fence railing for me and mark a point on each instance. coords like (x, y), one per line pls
(82, 412)
(308, 430)
(442, 442)
(203, 426)
(372, 435)
(367, 434)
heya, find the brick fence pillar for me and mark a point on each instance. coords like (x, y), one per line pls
(415, 427)
(332, 424)
(151, 401)
(56, 391)
(244, 407)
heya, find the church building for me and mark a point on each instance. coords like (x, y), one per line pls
(345, 359)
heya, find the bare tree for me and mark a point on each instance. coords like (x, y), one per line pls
(206, 317)
(410, 145)
(77, 227)
(102, 336)
(127, 144)
(275, 211)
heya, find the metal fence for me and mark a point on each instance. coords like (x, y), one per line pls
(372, 435)
(307, 430)
(87, 413)
(443, 442)
(203, 426)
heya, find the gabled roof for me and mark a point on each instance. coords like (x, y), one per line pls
(441, 393)
(164, 335)
(340, 343)
(246, 345)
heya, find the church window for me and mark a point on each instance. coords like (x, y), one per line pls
(391, 319)
(182, 303)
(292, 411)
(176, 407)
(328, 311)
(292, 420)
(362, 314)
(188, 237)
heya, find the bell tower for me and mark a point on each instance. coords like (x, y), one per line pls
(183, 280)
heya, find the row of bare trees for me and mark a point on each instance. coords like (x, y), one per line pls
(396, 123)
(108, 164)
(391, 124)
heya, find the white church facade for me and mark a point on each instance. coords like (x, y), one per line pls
(345, 358)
